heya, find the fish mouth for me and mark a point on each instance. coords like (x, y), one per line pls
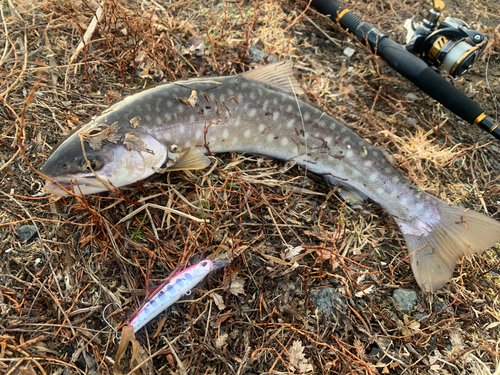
(77, 186)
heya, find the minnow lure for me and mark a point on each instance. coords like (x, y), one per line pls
(168, 293)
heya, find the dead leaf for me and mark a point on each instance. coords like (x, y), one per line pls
(219, 301)
(135, 122)
(293, 251)
(221, 340)
(97, 136)
(191, 102)
(298, 359)
(237, 286)
(134, 143)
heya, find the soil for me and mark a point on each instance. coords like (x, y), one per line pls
(292, 233)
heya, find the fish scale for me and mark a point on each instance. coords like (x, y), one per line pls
(258, 112)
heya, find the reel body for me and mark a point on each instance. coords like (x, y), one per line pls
(452, 46)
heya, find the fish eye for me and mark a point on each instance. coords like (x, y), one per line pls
(94, 164)
(204, 263)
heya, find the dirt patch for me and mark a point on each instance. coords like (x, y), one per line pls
(294, 233)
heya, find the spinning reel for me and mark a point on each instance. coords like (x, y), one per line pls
(450, 46)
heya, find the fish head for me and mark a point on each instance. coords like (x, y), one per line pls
(102, 168)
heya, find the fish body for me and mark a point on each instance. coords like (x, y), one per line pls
(173, 126)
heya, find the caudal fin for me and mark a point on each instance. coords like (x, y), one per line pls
(460, 232)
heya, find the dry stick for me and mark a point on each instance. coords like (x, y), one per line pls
(3, 94)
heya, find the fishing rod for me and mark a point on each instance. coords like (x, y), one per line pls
(451, 46)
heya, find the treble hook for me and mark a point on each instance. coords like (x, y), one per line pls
(117, 335)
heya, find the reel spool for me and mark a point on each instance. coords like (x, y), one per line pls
(453, 47)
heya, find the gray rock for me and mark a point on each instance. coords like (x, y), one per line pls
(25, 232)
(329, 303)
(349, 52)
(440, 305)
(412, 96)
(405, 299)
(256, 54)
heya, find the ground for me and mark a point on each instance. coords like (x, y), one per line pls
(294, 235)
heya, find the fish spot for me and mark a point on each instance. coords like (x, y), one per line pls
(167, 116)
(270, 138)
(307, 116)
(187, 144)
(198, 134)
(266, 104)
(211, 96)
(283, 98)
(289, 108)
(262, 127)
(148, 118)
(339, 168)
(322, 123)
(284, 141)
(368, 163)
(148, 107)
(192, 119)
(180, 108)
(260, 92)
(349, 154)
(346, 140)
(290, 123)
(276, 116)
(159, 120)
(343, 129)
(403, 201)
(230, 92)
(275, 101)
(170, 104)
(244, 85)
(252, 112)
(380, 191)
(225, 133)
(374, 177)
(252, 95)
(356, 173)
(181, 129)
(388, 170)
(247, 133)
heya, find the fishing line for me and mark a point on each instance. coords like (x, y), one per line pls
(489, 87)
(303, 129)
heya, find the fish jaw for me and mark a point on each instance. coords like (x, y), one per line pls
(118, 166)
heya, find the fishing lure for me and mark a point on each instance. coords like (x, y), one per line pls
(169, 292)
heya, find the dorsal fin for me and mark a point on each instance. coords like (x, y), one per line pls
(279, 75)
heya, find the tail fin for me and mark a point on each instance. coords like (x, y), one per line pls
(460, 232)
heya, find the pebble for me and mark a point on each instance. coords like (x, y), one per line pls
(349, 52)
(412, 96)
(25, 232)
(329, 303)
(405, 299)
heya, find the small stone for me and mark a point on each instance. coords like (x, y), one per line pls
(25, 232)
(411, 120)
(412, 97)
(349, 52)
(440, 305)
(405, 299)
(329, 303)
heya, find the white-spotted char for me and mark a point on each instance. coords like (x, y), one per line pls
(258, 112)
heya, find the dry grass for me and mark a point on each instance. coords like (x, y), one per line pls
(293, 233)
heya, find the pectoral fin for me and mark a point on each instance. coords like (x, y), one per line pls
(189, 160)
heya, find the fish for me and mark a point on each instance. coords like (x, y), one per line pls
(174, 126)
